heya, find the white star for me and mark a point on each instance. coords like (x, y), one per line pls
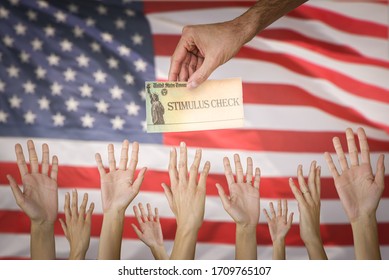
(15, 101)
(144, 125)
(14, 2)
(137, 39)
(44, 103)
(2, 86)
(60, 16)
(113, 63)
(13, 72)
(107, 37)
(20, 29)
(78, 32)
(69, 74)
(117, 123)
(82, 60)
(102, 10)
(58, 119)
(90, 22)
(142, 94)
(56, 89)
(140, 65)
(86, 90)
(24, 57)
(66, 45)
(49, 31)
(120, 23)
(100, 77)
(130, 13)
(40, 73)
(124, 51)
(116, 92)
(53, 59)
(73, 8)
(132, 109)
(95, 47)
(36, 44)
(29, 117)
(31, 15)
(29, 87)
(102, 106)
(8, 41)
(3, 116)
(87, 120)
(42, 4)
(72, 105)
(129, 79)
(3, 13)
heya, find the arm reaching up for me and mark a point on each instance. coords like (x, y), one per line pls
(243, 206)
(38, 198)
(359, 191)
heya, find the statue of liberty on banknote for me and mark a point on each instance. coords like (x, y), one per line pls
(157, 109)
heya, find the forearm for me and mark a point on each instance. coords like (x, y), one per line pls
(262, 14)
(316, 250)
(279, 249)
(184, 247)
(365, 234)
(111, 236)
(42, 242)
(159, 253)
(246, 243)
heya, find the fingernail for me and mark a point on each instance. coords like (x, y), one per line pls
(182, 144)
(192, 85)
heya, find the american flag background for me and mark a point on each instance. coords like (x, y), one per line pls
(72, 75)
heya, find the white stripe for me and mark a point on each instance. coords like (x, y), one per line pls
(377, 13)
(156, 157)
(331, 209)
(264, 72)
(173, 22)
(372, 75)
(17, 245)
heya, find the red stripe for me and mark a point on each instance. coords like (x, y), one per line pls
(172, 6)
(210, 232)
(341, 22)
(278, 94)
(336, 20)
(295, 64)
(165, 44)
(84, 177)
(334, 50)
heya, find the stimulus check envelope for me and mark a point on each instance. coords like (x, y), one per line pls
(215, 104)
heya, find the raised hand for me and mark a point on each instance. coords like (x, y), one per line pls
(38, 198)
(308, 199)
(359, 191)
(186, 197)
(279, 225)
(150, 230)
(242, 205)
(118, 189)
(77, 225)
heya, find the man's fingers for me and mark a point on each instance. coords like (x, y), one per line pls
(33, 157)
(352, 147)
(365, 151)
(45, 159)
(21, 161)
(124, 155)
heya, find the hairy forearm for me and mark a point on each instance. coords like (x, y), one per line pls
(184, 247)
(365, 234)
(262, 14)
(246, 243)
(111, 236)
(42, 241)
(279, 249)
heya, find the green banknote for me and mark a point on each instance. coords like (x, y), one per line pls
(215, 104)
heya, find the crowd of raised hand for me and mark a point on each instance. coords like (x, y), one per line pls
(358, 188)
